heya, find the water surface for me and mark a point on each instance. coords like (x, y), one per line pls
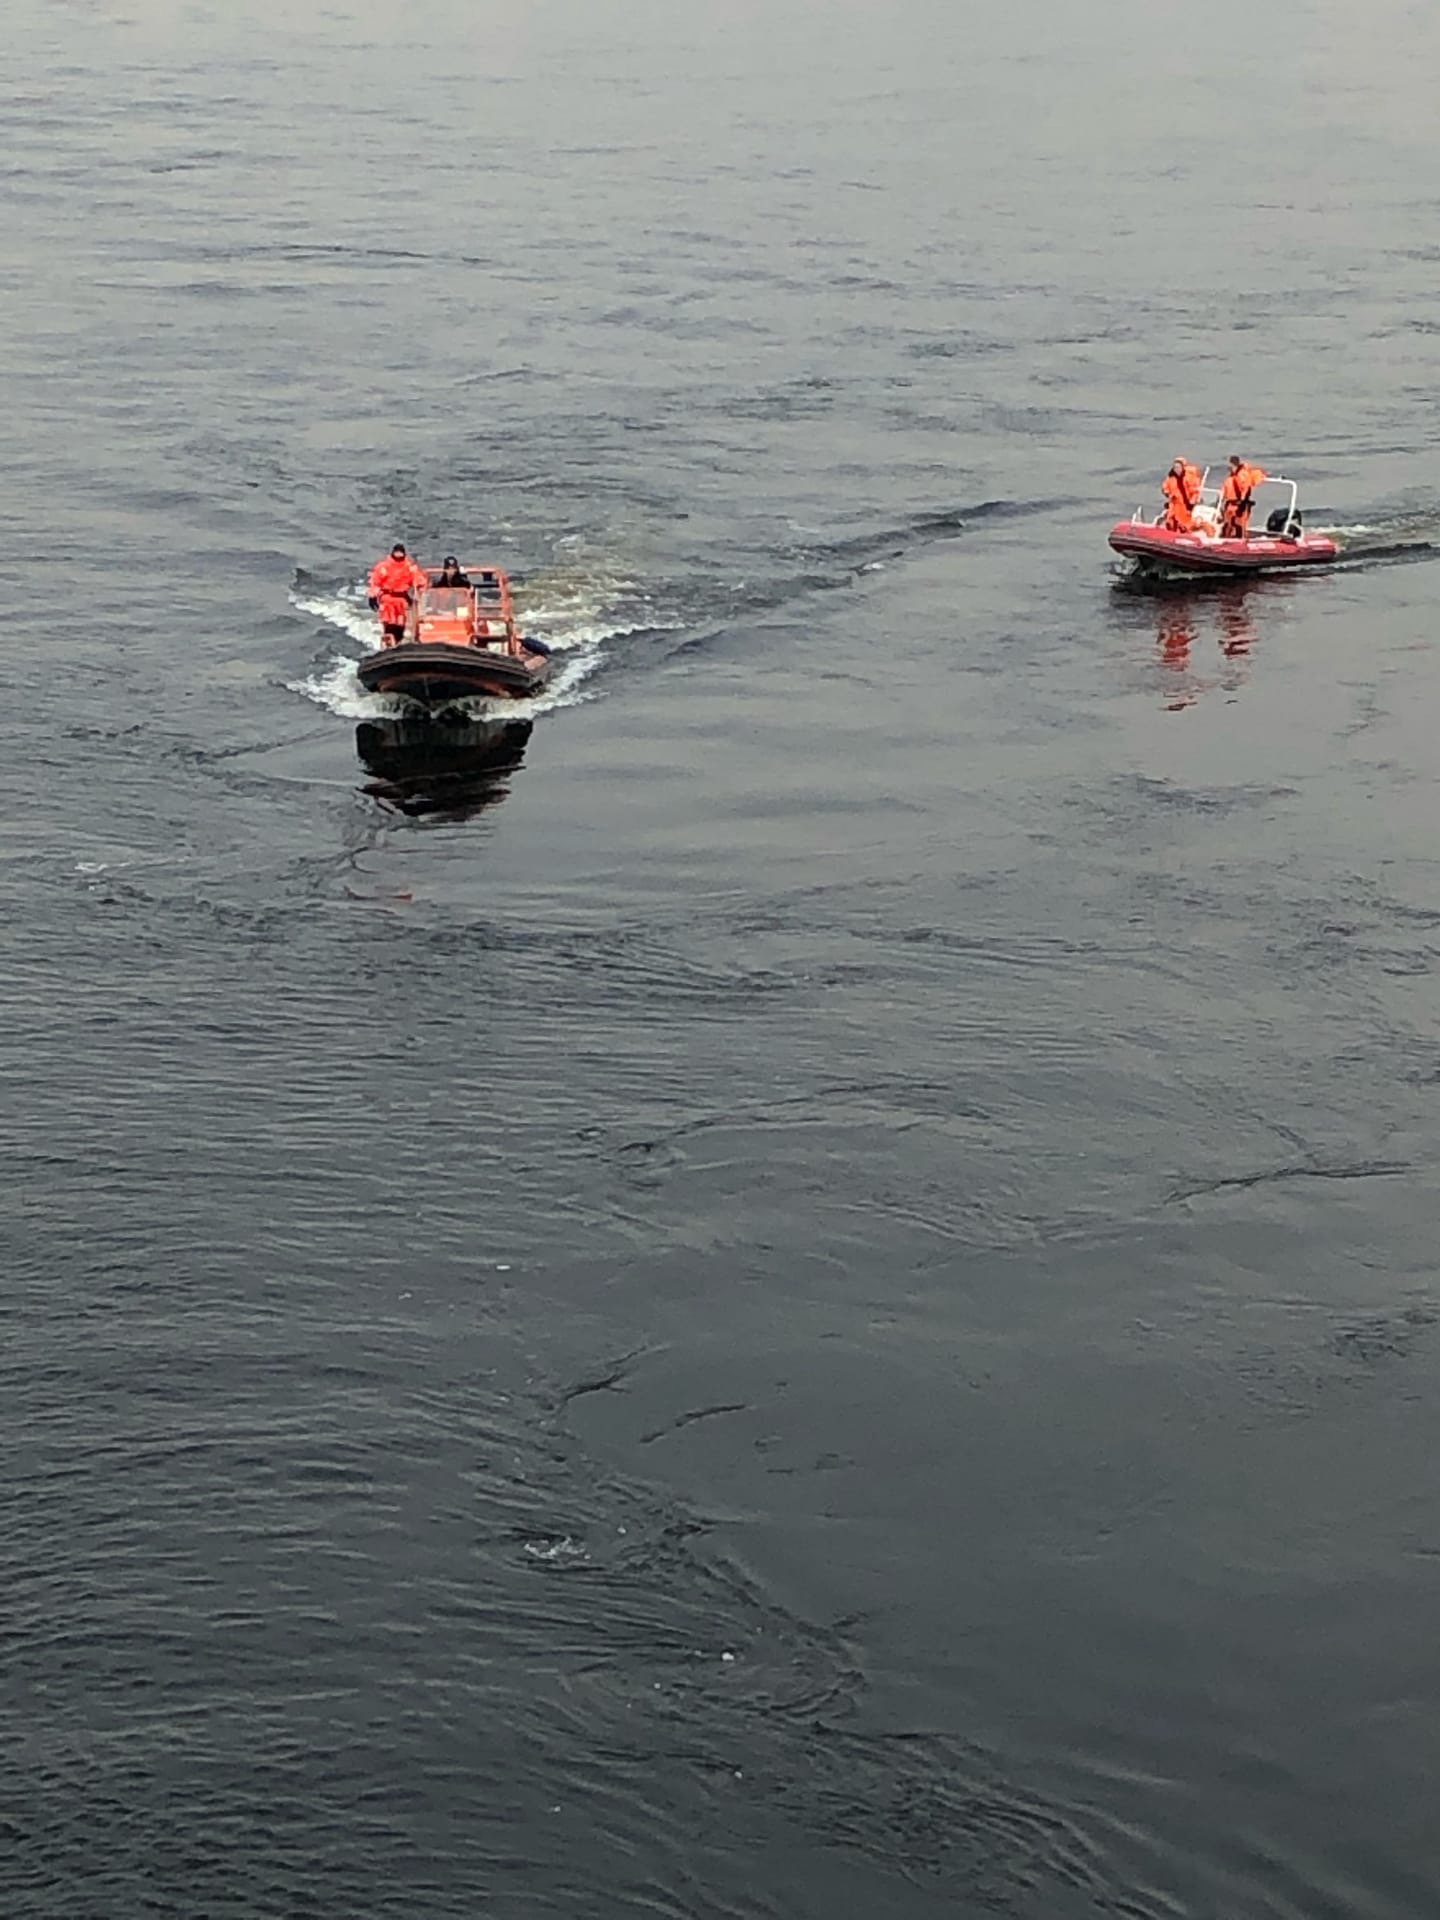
(802, 1283)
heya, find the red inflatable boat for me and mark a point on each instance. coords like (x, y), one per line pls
(1282, 543)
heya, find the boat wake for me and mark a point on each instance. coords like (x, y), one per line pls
(573, 615)
(1357, 552)
(1393, 538)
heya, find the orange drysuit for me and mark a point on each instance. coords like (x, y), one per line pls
(1181, 491)
(1236, 501)
(393, 583)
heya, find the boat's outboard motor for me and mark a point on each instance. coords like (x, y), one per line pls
(1284, 523)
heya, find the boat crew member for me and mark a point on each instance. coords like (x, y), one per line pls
(1181, 488)
(393, 583)
(450, 574)
(1237, 497)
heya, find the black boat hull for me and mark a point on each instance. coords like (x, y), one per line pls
(437, 676)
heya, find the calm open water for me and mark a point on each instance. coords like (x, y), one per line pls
(802, 1284)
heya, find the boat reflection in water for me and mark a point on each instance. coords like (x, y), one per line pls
(1178, 629)
(1185, 623)
(450, 766)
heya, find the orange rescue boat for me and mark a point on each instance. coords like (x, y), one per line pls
(461, 643)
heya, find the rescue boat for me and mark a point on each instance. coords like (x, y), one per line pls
(460, 643)
(1284, 544)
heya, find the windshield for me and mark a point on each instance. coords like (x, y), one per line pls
(445, 600)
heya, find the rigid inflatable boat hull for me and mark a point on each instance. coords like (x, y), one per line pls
(1158, 547)
(437, 676)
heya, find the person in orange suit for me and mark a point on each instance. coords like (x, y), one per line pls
(1237, 498)
(394, 582)
(1181, 488)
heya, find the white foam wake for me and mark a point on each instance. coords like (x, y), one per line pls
(568, 616)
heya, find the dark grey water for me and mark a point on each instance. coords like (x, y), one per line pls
(804, 1284)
